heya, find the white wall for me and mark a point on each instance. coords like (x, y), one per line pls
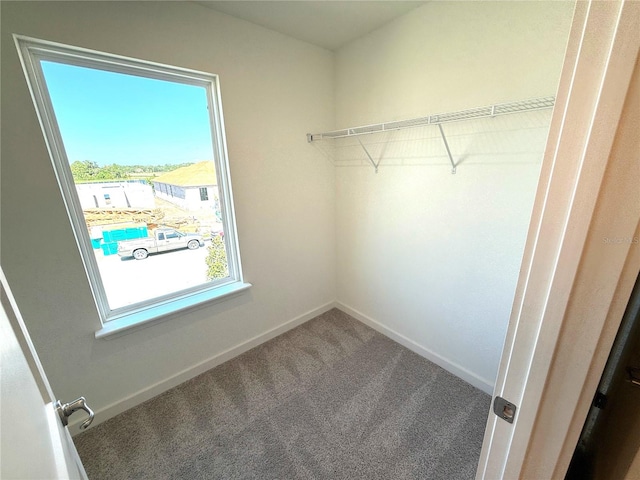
(425, 256)
(121, 195)
(187, 197)
(194, 202)
(274, 89)
(428, 255)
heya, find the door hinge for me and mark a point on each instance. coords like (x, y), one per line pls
(504, 409)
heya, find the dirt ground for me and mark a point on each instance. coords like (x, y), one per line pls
(201, 221)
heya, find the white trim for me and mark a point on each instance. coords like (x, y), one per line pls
(162, 386)
(31, 52)
(602, 51)
(162, 311)
(89, 58)
(449, 365)
(147, 393)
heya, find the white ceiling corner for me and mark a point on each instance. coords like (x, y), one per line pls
(327, 24)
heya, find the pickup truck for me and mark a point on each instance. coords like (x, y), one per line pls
(162, 240)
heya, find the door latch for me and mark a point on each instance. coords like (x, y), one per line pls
(504, 409)
(65, 410)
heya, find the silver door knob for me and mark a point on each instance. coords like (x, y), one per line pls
(65, 410)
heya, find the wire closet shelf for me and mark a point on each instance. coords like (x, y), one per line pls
(541, 103)
(472, 113)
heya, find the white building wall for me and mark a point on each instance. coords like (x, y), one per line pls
(186, 197)
(171, 193)
(194, 201)
(140, 195)
(121, 195)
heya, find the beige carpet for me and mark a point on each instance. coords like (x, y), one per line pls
(331, 399)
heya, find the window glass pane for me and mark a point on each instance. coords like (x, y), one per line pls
(140, 152)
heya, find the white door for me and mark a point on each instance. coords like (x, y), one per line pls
(569, 273)
(34, 444)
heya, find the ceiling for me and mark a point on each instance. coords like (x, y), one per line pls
(328, 24)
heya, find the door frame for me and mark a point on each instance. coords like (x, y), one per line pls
(573, 286)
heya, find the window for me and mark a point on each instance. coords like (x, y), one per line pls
(204, 195)
(142, 130)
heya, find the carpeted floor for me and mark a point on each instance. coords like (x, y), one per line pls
(330, 399)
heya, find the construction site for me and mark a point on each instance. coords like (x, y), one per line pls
(185, 199)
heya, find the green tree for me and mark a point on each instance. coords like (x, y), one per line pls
(112, 172)
(88, 171)
(84, 171)
(217, 266)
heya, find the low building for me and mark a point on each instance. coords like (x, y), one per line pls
(116, 194)
(194, 187)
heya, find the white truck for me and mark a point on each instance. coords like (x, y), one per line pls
(161, 240)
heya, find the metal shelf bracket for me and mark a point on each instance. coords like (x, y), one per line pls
(373, 163)
(489, 111)
(446, 146)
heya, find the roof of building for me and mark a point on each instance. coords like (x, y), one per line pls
(197, 175)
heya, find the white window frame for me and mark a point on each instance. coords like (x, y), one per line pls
(32, 51)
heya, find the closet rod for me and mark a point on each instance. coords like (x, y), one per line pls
(541, 103)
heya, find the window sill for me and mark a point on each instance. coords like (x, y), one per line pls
(155, 313)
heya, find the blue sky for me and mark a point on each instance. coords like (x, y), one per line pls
(110, 118)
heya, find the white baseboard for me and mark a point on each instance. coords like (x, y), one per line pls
(459, 371)
(147, 393)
